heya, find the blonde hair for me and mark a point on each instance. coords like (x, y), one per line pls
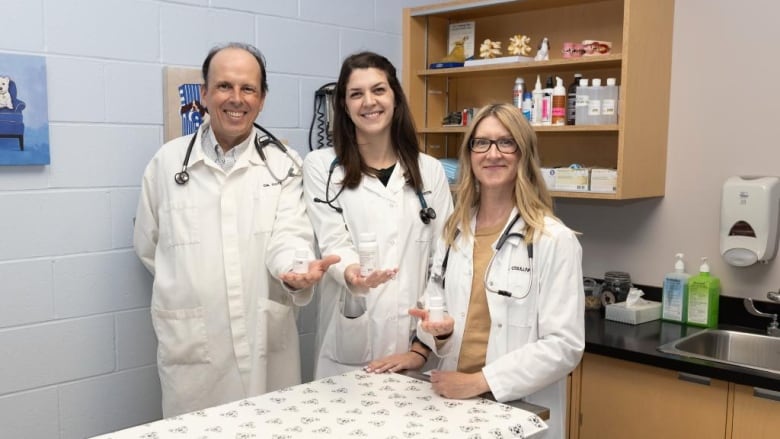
(532, 199)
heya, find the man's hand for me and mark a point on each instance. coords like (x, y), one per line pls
(373, 280)
(317, 269)
(458, 385)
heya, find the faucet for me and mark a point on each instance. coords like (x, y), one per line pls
(773, 329)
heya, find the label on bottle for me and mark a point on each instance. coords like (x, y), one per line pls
(608, 107)
(673, 299)
(594, 107)
(367, 262)
(300, 266)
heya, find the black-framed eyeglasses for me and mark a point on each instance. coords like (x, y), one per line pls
(506, 145)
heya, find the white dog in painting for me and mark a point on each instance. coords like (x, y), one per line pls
(5, 94)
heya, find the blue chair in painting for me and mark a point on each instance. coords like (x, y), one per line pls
(11, 119)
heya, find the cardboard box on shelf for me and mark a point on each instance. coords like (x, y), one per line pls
(603, 180)
(572, 179)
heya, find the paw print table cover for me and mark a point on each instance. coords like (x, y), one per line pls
(353, 405)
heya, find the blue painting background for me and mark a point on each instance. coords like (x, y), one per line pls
(29, 74)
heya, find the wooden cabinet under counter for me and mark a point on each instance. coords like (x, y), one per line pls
(621, 399)
(756, 413)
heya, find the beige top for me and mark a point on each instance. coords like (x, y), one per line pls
(475, 335)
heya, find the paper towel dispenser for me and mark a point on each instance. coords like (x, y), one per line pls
(748, 219)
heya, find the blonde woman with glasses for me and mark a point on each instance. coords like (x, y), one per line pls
(510, 273)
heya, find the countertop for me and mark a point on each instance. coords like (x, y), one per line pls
(639, 343)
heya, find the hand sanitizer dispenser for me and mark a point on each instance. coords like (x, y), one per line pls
(748, 219)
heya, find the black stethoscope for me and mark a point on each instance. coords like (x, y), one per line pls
(295, 170)
(426, 213)
(501, 240)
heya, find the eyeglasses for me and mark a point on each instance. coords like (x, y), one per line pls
(505, 145)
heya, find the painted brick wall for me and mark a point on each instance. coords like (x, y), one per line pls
(77, 349)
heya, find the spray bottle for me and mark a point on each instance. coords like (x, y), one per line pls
(537, 98)
(517, 92)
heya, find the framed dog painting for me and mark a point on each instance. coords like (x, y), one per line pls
(181, 101)
(24, 110)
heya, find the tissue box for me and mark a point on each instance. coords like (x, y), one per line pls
(642, 313)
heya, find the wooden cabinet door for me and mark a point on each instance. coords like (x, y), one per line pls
(620, 399)
(756, 413)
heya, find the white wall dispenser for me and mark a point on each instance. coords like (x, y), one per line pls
(748, 219)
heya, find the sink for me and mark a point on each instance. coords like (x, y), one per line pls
(755, 351)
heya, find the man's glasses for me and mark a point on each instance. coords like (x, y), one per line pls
(505, 145)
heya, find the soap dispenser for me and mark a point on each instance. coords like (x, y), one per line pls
(675, 293)
(703, 297)
(749, 220)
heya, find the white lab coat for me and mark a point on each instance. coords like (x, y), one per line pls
(534, 341)
(225, 329)
(404, 242)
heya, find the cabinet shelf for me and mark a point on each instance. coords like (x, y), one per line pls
(641, 35)
(538, 129)
(569, 65)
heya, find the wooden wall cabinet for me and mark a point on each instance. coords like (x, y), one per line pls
(641, 36)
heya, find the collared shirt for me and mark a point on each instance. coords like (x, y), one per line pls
(224, 160)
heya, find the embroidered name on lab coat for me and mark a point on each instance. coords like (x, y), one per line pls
(276, 183)
(523, 269)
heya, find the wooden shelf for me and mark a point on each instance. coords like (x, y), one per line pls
(640, 62)
(538, 129)
(531, 67)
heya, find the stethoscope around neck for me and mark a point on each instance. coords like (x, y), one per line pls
(295, 170)
(507, 233)
(427, 213)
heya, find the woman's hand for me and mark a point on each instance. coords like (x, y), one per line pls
(458, 385)
(398, 362)
(373, 280)
(440, 328)
(317, 269)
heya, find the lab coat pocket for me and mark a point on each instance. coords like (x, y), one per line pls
(179, 224)
(181, 336)
(348, 340)
(277, 317)
(265, 201)
(521, 319)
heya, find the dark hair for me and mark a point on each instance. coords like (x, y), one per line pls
(235, 45)
(403, 135)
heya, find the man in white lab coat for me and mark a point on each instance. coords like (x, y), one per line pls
(218, 223)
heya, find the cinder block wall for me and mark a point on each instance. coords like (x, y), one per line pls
(77, 349)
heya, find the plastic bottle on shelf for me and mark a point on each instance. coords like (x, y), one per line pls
(609, 102)
(559, 103)
(528, 105)
(675, 293)
(517, 92)
(571, 100)
(537, 98)
(583, 95)
(301, 261)
(547, 102)
(594, 102)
